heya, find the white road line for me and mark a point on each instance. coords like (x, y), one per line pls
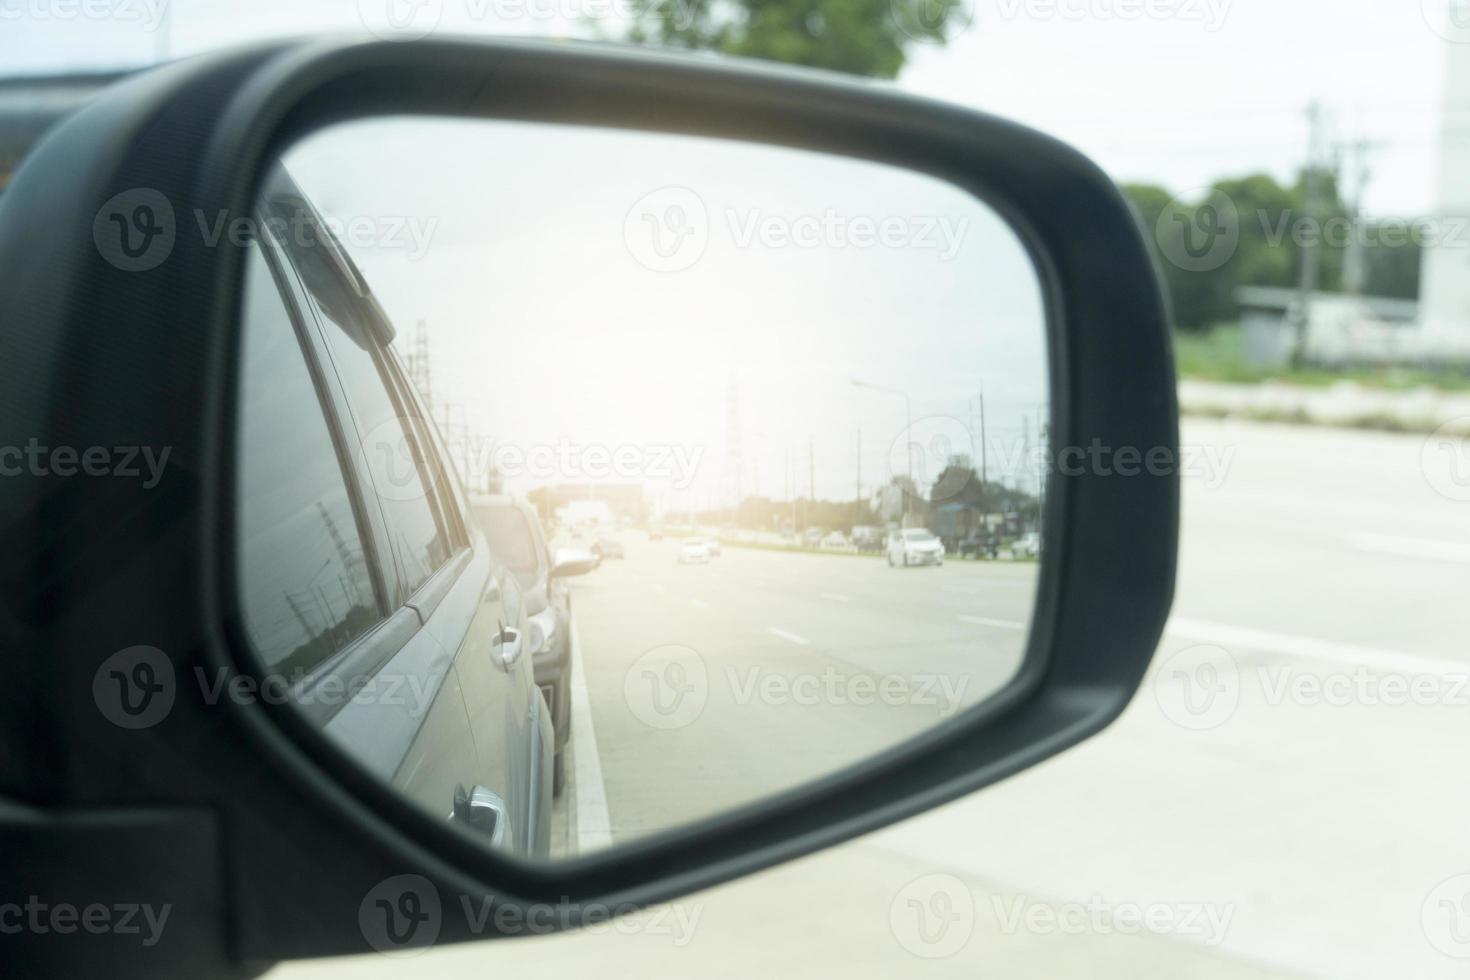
(699, 603)
(1311, 648)
(594, 824)
(1005, 624)
(798, 640)
(1388, 544)
(836, 597)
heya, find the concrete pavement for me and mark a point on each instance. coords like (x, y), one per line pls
(1285, 796)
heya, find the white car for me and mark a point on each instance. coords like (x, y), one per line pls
(1027, 545)
(693, 551)
(915, 546)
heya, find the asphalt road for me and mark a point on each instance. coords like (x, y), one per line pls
(712, 685)
(1285, 797)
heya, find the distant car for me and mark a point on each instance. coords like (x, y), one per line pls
(836, 541)
(713, 544)
(915, 546)
(606, 547)
(979, 546)
(517, 539)
(654, 534)
(1027, 545)
(693, 551)
(813, 536)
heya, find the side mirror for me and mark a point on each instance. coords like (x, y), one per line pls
(150, 247)
(573, 561)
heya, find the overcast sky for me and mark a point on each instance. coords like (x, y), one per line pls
(549, 235)
(1174, 91)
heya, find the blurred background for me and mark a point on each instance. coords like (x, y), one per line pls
(1285, 796)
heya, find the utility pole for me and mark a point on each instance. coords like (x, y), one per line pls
(811, 480)
(1310, 256)
(1354, 260)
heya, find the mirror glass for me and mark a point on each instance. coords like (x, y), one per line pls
(591, 483)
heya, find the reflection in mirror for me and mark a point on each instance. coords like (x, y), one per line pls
(593, 483)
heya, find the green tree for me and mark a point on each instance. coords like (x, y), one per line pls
(860, 37)
(1263, 228)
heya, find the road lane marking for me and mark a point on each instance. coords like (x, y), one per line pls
(594, 823)
(1005, 624)
(798, 640)
(836, 597)
(699, 603)
(1388, 544)
(1311, 648)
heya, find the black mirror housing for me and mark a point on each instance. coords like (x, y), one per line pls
(87, 573)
